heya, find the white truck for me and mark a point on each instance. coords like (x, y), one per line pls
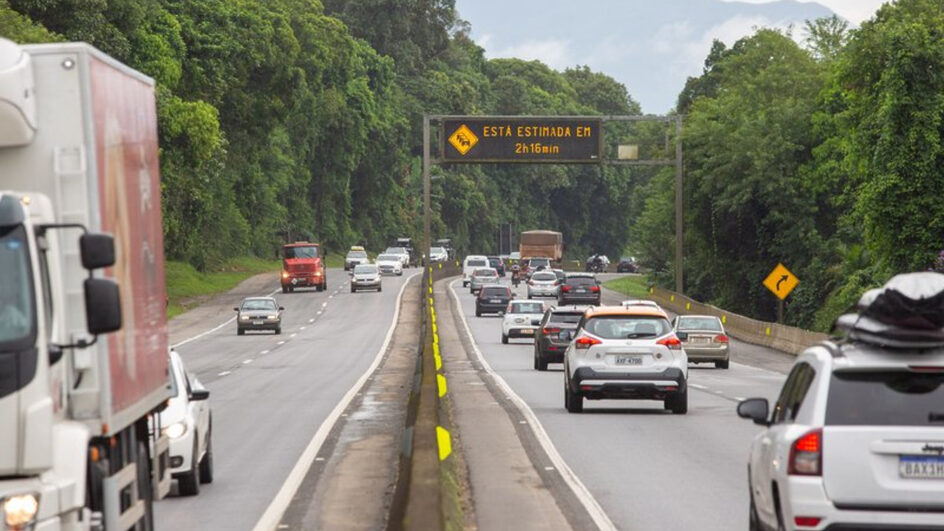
(81, 256)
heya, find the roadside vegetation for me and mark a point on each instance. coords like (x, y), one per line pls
(290, 119)
(187, 287)
(636, 286)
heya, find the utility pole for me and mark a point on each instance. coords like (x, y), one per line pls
(679, 284)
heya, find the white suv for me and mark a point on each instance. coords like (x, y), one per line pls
(625, 353)
(856, 438)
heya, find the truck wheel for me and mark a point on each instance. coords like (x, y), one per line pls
(188, 484)
(284, 289)
(206, 464)
(144, 487)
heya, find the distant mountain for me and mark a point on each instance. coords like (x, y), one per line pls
(652, 46)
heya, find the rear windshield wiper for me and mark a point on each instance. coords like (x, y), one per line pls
(639, 335)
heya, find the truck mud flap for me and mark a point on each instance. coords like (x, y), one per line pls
(112, 488)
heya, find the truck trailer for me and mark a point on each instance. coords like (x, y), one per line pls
(83, 335)
(541, 244)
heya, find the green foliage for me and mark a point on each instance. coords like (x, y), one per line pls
(633, 285)
(19, 28)
(187, 287)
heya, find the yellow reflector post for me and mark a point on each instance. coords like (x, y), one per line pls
(441, 383)
(445, 444)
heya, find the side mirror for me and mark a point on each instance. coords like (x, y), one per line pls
(683, 336)
(98, 250)
(281, 308)
(236, 308)
(102, 306)
(350, 273)
(756, 409)
(199, 394)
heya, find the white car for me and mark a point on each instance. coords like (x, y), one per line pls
(402, 253)
(389, 264)
(521, 319)
(438, 254)
(640, 302)
(471, 263)
(187, 423)
(543, 284)
(625, 353)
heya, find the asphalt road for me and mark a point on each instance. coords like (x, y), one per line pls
(647, 468)
(270, 393)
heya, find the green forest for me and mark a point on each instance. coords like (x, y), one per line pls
(288, 119)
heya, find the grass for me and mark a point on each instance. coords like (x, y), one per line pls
(186, 286)
(632, 285)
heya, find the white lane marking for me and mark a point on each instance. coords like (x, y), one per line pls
(280, 343)
(303, 327)
(330, 297)
(293, 335)
(264, 352)
(319, 313)
(697, 386)
(580, 490)
(324, 305)
(273, 514)
(549, 468)
(224, 373)
(739, 398)
(311, 320)
(210, 331)
(319, 459)
(247, 362)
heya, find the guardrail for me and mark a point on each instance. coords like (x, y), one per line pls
(777, 336)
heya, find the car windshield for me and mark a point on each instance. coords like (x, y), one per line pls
(306, 251)
(396, 250)
(627, 326)
(581, 281)
(477, 263)
(527, 307)
(388, 258)
(17, 318)
(566, 317)
(494, 261)
(538, 262)
(485, 273)
(544, 277)
(365, 269)
(712, 324)
(885, 398)
(437, 250)
(259, 304)
(495, 292)
(357, 254)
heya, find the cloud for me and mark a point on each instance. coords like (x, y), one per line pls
(553, 53)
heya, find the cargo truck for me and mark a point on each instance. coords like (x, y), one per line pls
(303, 265)
(83, 336)
(541, 243)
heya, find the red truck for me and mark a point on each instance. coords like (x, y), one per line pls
(303, 265)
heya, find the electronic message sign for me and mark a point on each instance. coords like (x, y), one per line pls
(478, 139)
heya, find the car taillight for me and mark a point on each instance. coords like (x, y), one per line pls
(672, 342)
(594, 289)
(721, 338)
(806, 455)
(565, 288)
(551, 330)
(585, 342)
(925, 368)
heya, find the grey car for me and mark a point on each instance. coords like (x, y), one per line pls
(482, 276)
(258, 313)
(703, 339)
(365, 276)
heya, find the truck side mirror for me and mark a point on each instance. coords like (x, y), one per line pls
(98, 250)
(102, 306)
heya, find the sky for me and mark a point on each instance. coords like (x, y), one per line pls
(651, 46)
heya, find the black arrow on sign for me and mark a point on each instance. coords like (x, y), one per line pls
(783, 279)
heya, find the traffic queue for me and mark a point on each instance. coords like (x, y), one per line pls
(855, 438)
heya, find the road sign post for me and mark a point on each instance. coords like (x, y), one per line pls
(781, 282)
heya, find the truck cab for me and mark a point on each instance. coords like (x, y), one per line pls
(303, 266)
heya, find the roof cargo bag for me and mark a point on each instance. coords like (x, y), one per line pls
(907, 312)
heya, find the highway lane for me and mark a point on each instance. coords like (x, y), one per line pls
(648, 469)
(270, 393)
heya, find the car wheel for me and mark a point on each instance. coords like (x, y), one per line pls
(400, 273)
(278, 330)
(379, 289)
(240, 332)
(188, 483)
(504, 339)
(572, 401)
(206, 464)
(353, 290)
(678, 403)
(478, 313)
(753, 522)
(529, 296)
(539, 363)
(722, 364)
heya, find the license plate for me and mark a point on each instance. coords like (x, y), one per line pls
(700, 340)
(495, 301)
(580, 291)
(628, 360)
(921, 467)
(257, 322)
(527, 331)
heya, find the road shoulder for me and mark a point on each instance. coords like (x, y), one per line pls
(512, 482)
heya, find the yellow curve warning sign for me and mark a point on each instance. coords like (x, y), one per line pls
(463, 139)
(781, 281)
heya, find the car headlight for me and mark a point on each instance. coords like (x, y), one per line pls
(176, 430)
(243, 317)
(19, 512)
(273, 317)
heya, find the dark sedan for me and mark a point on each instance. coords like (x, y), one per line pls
(492, 299)
(579, 288)
(259, 313)
(554, 334)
